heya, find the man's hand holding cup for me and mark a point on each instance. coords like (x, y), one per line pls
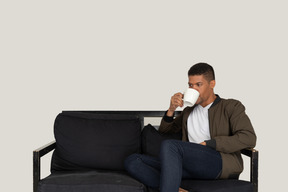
(176, 101)
(189, 98)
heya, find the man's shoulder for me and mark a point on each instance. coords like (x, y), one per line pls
(231, 103)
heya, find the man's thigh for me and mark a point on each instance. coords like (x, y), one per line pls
(199, 161)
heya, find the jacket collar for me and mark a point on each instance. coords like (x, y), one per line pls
(216, 101)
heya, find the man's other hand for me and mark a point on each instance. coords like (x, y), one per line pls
(203, 143)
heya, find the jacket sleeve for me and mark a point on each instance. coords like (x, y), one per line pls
(242, 132)
(171, 125)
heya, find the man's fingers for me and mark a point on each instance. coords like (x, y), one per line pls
(182, 190)
(177, 101)
(180, 95)
(203, 143)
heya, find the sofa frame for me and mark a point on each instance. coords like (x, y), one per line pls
(253, 154)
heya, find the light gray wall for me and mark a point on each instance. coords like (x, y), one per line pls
(72, 55)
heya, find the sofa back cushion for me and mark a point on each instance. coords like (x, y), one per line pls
(94, 141)
(151, 140)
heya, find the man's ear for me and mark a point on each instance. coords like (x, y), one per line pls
(212, 84)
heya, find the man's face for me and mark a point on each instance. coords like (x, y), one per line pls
(204, 87)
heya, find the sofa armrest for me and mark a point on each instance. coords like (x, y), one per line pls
(254, 155)
(37, 154)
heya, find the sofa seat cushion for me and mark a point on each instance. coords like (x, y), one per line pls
(217, 185)
(92, 181)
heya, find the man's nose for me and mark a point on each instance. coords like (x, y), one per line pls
(193, 87)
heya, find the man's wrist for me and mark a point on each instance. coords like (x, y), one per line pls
(170, 113)
(167, 118)
(211, 143)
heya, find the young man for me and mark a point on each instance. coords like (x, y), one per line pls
(214, 131)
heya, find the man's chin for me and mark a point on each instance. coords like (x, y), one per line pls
(199, 101)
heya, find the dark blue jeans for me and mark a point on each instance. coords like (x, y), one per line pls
(177, 160)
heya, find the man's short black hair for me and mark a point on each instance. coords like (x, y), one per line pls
(202, 69)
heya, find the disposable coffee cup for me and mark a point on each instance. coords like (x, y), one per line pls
(190, 97)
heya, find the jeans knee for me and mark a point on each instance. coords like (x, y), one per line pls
(169, 146)
(131, 162)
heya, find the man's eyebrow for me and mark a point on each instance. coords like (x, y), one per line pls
(195, 83)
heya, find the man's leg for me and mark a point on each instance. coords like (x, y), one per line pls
(144, 168)
(199, 162)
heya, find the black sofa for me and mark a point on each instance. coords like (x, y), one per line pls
(91, 147)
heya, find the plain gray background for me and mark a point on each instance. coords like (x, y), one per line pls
(134, 55)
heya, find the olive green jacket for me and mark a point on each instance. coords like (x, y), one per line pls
(230, 129)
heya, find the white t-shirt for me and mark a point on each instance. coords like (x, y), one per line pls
(198, 124)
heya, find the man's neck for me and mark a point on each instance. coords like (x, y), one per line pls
(210, 100)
